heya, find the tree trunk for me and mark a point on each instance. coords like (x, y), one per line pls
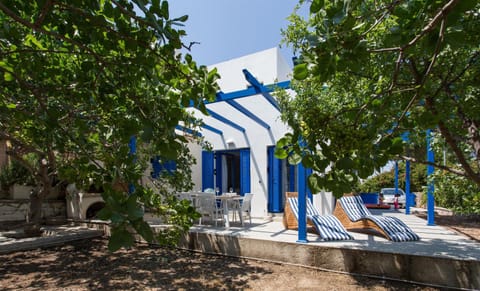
(34, 223)
(34, 219)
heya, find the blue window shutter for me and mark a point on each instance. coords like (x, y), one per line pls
(218, 172)
(158, 167)
(207, 170)
(244, 171)
(275, 199)
(170, 166)
(270, 179)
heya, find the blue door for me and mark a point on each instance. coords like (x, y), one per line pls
(282, 177)
(232, 171)
(244, 171)
(208, 171)
(274, 171)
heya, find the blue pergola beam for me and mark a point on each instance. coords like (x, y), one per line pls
(212, 129)
(250, 91)
(188, 130)
(260, 88)
(225, 120)
(248, 113)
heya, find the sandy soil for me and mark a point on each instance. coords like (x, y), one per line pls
(87, 265)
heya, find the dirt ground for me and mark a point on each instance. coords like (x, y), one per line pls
(87, 265)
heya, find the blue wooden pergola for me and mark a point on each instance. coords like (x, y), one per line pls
(256, 88)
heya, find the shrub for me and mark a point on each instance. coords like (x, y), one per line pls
(456, 193)
(15, 173)
(418, 174)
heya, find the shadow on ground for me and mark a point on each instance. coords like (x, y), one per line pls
(89, 264)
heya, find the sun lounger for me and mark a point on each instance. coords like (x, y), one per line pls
(353, 215)
(326, 226)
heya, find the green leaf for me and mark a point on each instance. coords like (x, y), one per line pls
(308, 161)
(116, 218)
(181, 18)
(314, 183)
(345, 163)
(104, 213)
(397, 146)
(164, 8)
(300, 72)
(280, 153)
(134, 210)
(7, 77)
(144, 229)
(316, 6)
(31, 40)
(120, 238)
(322, 164)
(294, 158)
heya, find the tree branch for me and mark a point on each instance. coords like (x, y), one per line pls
(438, 166)
(431, 25)
(429, 103)
(43, 14)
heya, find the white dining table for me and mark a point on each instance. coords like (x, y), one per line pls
(225, 198)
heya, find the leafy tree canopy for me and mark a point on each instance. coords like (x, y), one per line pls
(372, 77)
(79, 79)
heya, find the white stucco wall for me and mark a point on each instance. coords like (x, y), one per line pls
(268, 67)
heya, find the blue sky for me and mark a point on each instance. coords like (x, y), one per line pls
(228, 29)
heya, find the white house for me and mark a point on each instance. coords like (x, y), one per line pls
(243, 127)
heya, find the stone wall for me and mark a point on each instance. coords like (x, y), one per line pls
(16, 210)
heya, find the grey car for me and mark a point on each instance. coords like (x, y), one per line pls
(389, 196)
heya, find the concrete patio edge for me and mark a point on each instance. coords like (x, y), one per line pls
(442, 272)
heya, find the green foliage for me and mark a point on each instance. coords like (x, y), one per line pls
(15, 173)
(80, 79)
(370, 71)
(456, 193)
(418, 179)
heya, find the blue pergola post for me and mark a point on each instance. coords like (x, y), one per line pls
(408, 201)
(409, 196)
(302, 204)
(396, 177)
(430, 187)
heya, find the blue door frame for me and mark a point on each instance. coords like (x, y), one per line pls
(212, 174)
(277, 171)
(274, 170)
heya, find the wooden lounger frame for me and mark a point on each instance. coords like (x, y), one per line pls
(363, 224)
(289, 219)
(387, 226)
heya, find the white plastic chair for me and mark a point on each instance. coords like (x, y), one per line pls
(184, 196)
(206, 205)
(245, 206)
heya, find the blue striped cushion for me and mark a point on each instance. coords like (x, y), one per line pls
(396, 229)
(354, 208)
(327, 226)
